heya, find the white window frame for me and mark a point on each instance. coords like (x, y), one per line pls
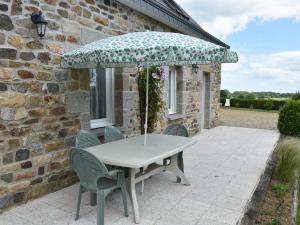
(110, 101)
(172, 107)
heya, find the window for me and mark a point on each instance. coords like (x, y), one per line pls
(172, 90)
(102, 97)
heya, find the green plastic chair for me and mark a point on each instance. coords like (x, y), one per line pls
(95, 177)
(112, 134)
(177, 130)
(85, 139)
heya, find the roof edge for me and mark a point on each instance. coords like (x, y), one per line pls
(163, 14)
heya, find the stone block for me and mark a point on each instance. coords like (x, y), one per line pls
(7, 158)
(16, 7)
(36, 44)
(44, 57)
(25, 175)
(41, 170)
(52, 25)
(5, 22)
(52, 146)
(25, 74)
(85, 123)
(18, 186)
(7, 113)
(63, 13)
(70, 141)
(11, 99)
(2, 38)
(36, 181)
(44, 76)
(62, 75)
(77, 102)
(55, 48)
(6, 200)
(86, 22)
(7, 177)
(22, 154)
(16, 41)
(26, 165)
(10, 168)
(51, 2)
(19, 197)
(27, 56)
(57, 111)
(8, 53)
(6, 73)
(130, 100)
(70, 27)
(77, 9)
(21, 113)
(53, 88)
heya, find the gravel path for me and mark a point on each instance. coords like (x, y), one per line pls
(250, 119)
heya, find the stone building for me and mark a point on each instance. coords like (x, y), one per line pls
(43, 106)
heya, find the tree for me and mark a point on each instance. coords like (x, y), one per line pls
(296, 96)
(225, 94)
(250, 96)
(241, 96)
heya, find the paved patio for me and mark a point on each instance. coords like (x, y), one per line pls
(224, 168)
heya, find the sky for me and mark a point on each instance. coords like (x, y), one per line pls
(264, 33)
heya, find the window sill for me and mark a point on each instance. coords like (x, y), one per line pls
(175, 116)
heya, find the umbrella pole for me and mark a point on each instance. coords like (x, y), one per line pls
(147, 101)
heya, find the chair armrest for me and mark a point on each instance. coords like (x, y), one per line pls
(115, 172)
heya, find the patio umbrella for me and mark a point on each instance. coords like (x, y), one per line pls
(145, 49)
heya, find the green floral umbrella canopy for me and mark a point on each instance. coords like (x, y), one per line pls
(147, 48)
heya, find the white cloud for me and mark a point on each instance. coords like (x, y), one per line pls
(267, 72)
(223, 17)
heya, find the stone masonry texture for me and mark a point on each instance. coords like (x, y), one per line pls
(42, 106)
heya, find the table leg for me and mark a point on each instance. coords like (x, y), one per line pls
(132, 194)
(174, 168)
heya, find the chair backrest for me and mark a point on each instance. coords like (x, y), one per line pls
(87, 167)
(85, 139)
(112, 134)
(177, 130)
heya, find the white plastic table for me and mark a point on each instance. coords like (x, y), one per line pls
(133, 154)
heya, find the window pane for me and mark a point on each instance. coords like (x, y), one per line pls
(98, 93)
(170, 89)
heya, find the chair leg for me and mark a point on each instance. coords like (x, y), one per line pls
(180, 164)
(124, 198)
(100, 207)
(93, 199)
(78, 203)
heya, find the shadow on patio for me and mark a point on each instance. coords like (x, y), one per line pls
(224, 168)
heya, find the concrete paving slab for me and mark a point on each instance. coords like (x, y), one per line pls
(224, 168)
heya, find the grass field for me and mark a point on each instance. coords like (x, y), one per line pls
(249, 118)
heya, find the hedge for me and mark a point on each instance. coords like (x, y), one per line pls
(289, 118)
(266, 104)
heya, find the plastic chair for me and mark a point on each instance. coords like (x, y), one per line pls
(112, 134)
(177, 130)
(85, 139)
(95, 177)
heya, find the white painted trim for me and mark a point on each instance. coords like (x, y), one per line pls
(110, 101)
(172, 90)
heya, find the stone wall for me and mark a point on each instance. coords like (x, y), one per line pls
(42, 106)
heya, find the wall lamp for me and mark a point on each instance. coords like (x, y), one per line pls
(195, 68)
(40, 23)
